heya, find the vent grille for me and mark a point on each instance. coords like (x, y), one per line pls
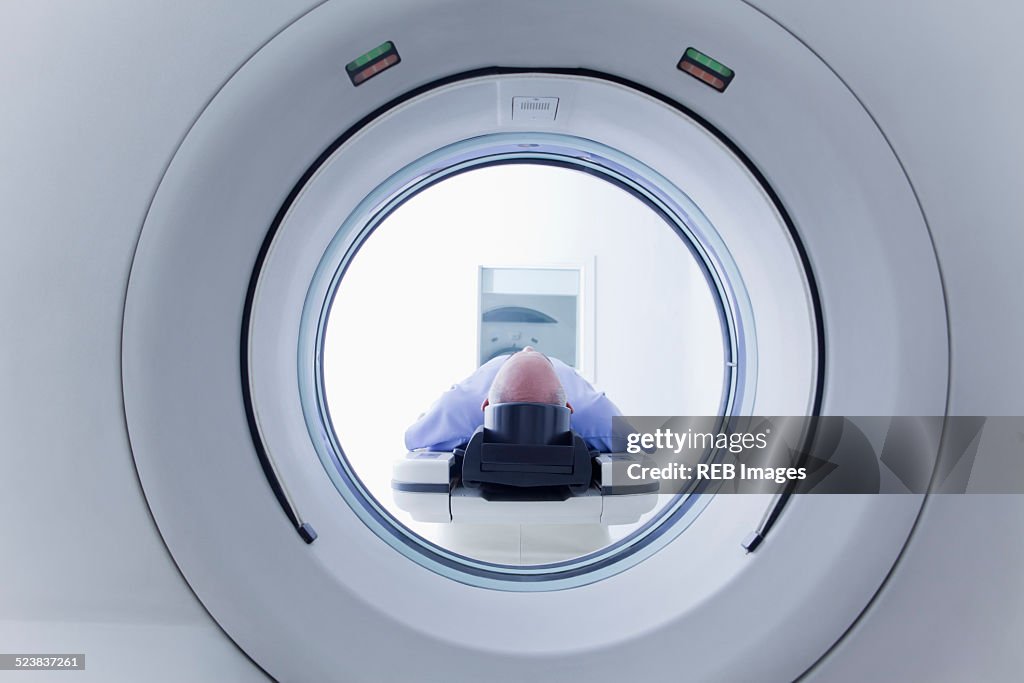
(535, 105)
(534, 108)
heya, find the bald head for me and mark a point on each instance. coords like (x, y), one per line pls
(526, 377)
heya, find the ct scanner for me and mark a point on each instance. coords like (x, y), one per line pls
(183, 184)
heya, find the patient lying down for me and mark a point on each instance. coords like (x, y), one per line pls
(530, 377)
(526, 376)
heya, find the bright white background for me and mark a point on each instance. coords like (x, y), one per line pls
(403, 327)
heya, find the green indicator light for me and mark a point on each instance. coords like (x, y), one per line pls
(370, 64)
(373, 54)
(708, 71)
(702, 59)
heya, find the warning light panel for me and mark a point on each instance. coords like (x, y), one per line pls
(705, 69)
(366, 66)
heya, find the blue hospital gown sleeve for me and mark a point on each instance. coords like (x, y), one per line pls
(592, 411)
(452, 419)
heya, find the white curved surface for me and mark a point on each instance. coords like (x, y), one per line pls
(91, 571)
(779, 366)
(60, 348)
(965, 621)
(198, 323)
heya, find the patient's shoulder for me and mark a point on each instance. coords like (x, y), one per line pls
(570, 377)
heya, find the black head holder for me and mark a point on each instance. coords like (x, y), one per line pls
(526, 445)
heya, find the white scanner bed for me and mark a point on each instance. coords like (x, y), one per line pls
(426, 485)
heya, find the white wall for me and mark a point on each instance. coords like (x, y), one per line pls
(404, 323)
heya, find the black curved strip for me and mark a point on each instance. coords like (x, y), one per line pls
(265, 460)
(304, 529)
(307, 532)
(771, 516)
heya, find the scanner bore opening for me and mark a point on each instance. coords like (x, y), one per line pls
(539, 149)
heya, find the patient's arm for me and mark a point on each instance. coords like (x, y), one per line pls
(453, 417)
